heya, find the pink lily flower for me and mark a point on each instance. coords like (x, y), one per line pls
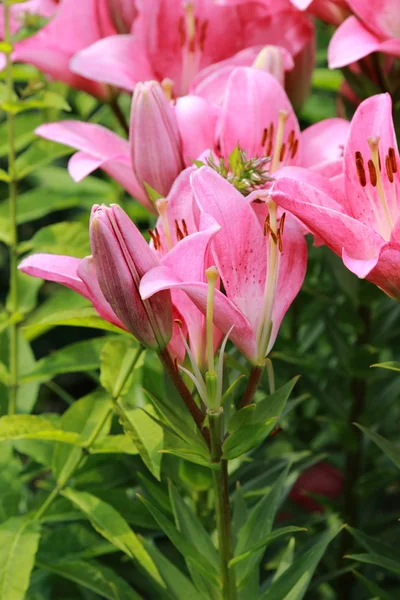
(110, 278)
(177, 40)
(363, 227)
(177, 226)
(75, 26)
(257, 295)
(257, 115)
(375, 27)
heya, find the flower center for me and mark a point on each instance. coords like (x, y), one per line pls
(379, 185)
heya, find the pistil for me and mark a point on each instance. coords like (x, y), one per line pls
(376, 181)
(283, 117)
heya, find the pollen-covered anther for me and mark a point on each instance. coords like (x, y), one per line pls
(392, 157)
(282, 153)
(291, 139)
(264, 136)
(360, 168)
(203, 34)
(179, 322)
(155, 236)
(280, 232)
(268, 230)
(372, 173)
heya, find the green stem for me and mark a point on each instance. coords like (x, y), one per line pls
(92, 438)
(222, 508)
(13, 360)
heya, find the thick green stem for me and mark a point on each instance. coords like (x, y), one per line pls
(252, 384)
(222, 508)
(90, 441)
(13, 355)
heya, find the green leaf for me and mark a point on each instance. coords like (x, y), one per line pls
(152, 193)
(32, 427)
(70, 238)
(375, 559)
(40, 153)
(191, 456)
(109, 523)
(82, 356)
(391, 451)
(246, 438)
(147, 436)
(372, 588)
(93, 576)
(256, 529)
(24, 126)
(391, 365)
(19, 540)
(114, 444)
(184, 546)
(79, 317)
(116, 365)
(374, 545)
(177, 583)
(293, 583)
(327, 79)
(249, 426)
(190, 527)
(274, 535)
(82, 418)
(286, 559)
(28, 290)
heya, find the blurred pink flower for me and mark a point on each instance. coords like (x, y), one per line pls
(76, 25)
(178, 40)
(374, 27)
(363, 227)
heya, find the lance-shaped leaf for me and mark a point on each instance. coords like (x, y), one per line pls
(19, 540)
(109, 523)
(391, 451)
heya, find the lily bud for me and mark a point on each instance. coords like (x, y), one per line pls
(123, 13)
(121, 258)
(154, 136)
(271, 59)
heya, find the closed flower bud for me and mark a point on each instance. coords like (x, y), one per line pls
(121, 257)
(154, 136)
(271, 59)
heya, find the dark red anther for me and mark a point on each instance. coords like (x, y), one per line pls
(294, 148)
(203, 35)
(184, 227)
(178, 232)
(360, 170)
(372, 173)
(264, 136)
(393, 161)
(282, 152)
(182, 32)
(389, 169)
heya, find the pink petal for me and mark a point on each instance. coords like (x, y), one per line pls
(373, 118)
(242, 264)
(359, 267)
(292, 270)
(351, 42)
(115, 60)
(99, 148)
(386, 274)
(338, 230)
(323, 145)
(197, 120)
(53, 267)
(87, 274)
(225, 312)
(382, 16)
(252, 103)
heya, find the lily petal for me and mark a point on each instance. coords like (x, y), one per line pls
(350, 42)
(54, 267)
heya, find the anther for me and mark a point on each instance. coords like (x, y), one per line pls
(389, 169)
(264, 136)
(268, 150)
(182, 32)
(360, 170)
(290, 139)
(393, 162)
(266, 225)
(372, 173)
(203, 34)
(282, 153)
(154, 239)
(294, 148)
(179, 323)
(185, 229)
(282, 223)
(178, 232)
